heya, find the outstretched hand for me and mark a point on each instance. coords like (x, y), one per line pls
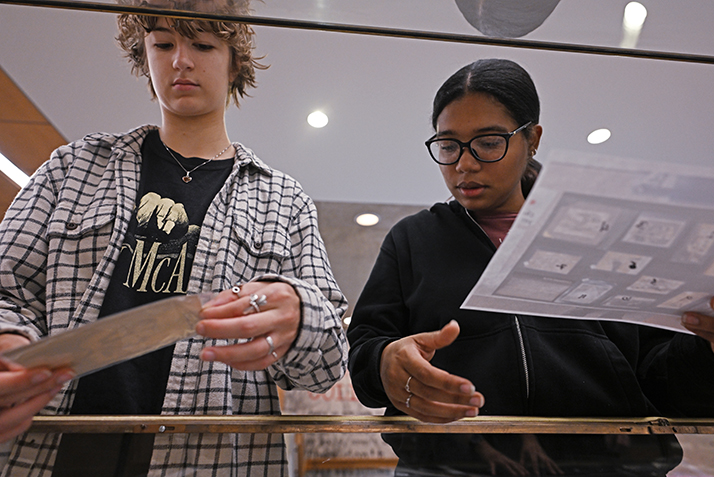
(421, 390)
(700, 324)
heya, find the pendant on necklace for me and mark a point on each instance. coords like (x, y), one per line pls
(187, 179)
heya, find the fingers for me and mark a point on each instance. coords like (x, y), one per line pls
(23, 393)
(17, 419)
(432, 394)
(439, 339)
(541, 461)
(270, 308)
(264, 315)
(498, 460)
(434, 405)
(552, 468)
(434, 379)
(700, 324)
(18, 386)
(252, 355)
(435, 411)
(466, 393)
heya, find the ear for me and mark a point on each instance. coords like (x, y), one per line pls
(234, 67)
(233, 74)
(534, 138)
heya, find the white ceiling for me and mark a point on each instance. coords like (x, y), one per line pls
(377, 91)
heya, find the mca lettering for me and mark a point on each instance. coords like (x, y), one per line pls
(163, 273)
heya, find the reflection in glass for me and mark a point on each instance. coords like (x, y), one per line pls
(227, 7)
(512, 454)
(506, 18)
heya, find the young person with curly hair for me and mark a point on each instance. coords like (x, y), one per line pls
(114, 221)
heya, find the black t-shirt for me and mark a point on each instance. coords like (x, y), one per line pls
(155, 263)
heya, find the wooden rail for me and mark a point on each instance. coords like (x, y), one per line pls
(290, 424)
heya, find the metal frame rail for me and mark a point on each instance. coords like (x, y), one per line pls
(370, 30)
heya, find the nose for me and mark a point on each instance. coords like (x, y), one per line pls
(182, 58)
(467, 162)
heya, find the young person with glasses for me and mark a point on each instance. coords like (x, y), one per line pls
(414, 351)
(114, 221)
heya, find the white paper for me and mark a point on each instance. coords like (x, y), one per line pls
(609, 239)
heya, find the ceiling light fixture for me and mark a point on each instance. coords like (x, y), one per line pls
(632, 22)
(635, 14)
(367, 220)
(599, 136)
(13, 172)
(317, 119)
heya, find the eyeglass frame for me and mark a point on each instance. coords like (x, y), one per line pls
(463, 145)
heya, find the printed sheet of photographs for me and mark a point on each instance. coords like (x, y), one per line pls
(648, 256)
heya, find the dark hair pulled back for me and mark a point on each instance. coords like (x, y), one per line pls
(509, 84)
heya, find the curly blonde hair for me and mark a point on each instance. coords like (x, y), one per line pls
(238, 36)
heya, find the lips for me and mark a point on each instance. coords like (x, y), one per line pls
(471, 189)
(184, 84)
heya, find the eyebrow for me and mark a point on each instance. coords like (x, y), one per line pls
(477, 132)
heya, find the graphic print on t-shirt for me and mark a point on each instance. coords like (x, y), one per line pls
(162, 247)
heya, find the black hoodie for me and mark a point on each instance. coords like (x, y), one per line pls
(523, 365)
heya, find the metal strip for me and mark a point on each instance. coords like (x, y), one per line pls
(290, 424)
(370, 30)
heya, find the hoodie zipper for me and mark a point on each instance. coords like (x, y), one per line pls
(521, 342)
(523, 356)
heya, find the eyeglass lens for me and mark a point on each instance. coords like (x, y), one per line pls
(486, 148)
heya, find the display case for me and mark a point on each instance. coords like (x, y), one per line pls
(373, 67)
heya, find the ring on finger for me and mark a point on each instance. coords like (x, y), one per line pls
(236, 290)
(406, 386)
(256, 302)
(271, 343)
(275, 355)
(408, 401)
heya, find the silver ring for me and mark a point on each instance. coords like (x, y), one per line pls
(409, 398)
(256, 302)
(236, 290)
(270, 342)
(275, 355)
(406, 386)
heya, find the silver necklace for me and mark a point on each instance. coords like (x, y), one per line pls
(472, 218)
(187, 178)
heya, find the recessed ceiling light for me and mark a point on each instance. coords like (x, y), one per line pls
(13, 172)
(367, 220)
(317, 119)
(599, 136)
(635, 14)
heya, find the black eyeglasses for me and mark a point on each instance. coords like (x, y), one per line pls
(485, 147)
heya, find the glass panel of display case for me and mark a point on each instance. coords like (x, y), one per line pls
(374, 70)
(655, 25)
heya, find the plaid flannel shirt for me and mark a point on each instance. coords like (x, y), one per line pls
(59, 243)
